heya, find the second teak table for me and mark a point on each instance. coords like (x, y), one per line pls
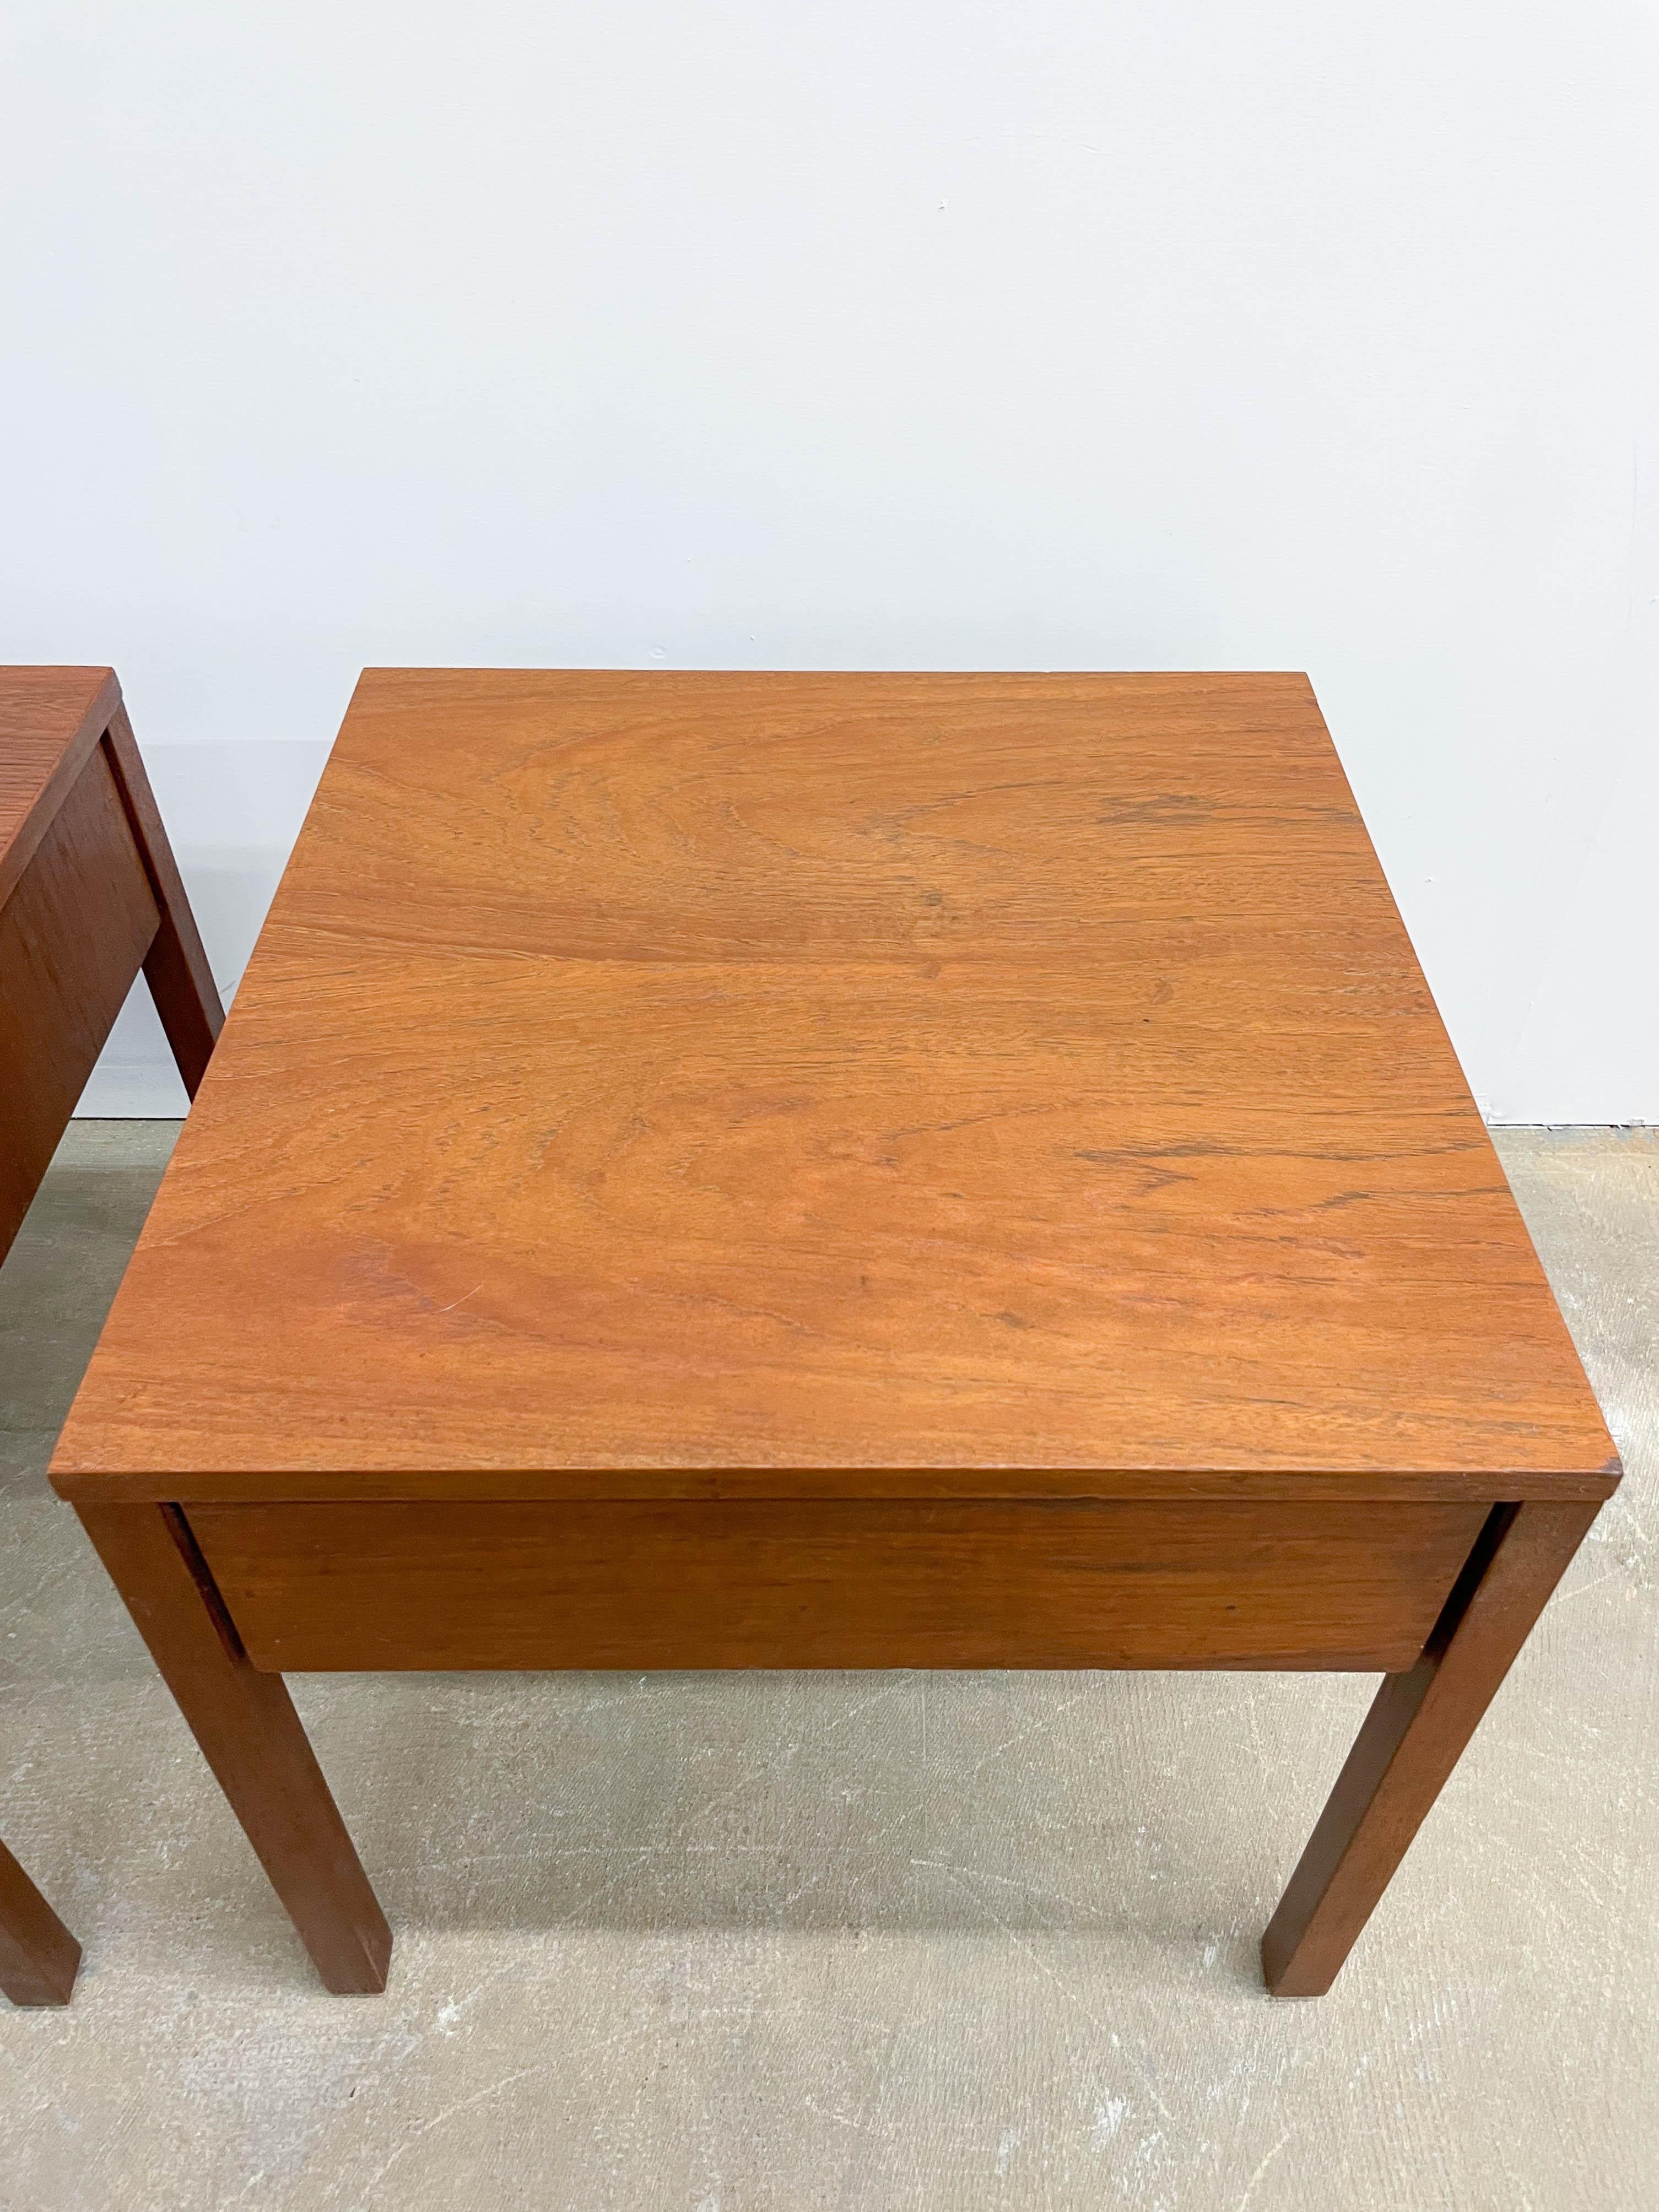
(90, 895)
(791, 1171)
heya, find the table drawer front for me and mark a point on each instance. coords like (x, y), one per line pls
(853, 1582)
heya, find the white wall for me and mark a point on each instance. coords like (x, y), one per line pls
(896, 333)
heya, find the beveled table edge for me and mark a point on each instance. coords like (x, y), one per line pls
(90, 1486)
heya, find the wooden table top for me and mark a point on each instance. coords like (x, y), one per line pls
(701, 1084)
(50, 720)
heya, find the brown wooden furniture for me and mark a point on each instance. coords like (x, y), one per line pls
(39, 1957)
(88, 894)
(834, 1171)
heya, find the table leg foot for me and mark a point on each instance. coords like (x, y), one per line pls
(39, 1957)
(1412, 1739)
(250, 1737)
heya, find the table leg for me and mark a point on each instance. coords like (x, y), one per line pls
(250, 1737)
(1412, 1739)
(38, 1955)
(176, 966)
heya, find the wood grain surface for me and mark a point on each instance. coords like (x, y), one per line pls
(50, 720)
(836, 1583)
(89, 891)
(724, 1082)
(73, 931)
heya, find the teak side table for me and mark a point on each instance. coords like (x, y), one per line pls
(88, 894)
(806, 1170)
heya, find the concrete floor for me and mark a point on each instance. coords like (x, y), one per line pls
(727, 1943)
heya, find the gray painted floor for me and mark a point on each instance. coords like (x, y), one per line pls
(726, 1943)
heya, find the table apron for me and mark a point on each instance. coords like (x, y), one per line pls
(73, 933)
(836, 1583)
